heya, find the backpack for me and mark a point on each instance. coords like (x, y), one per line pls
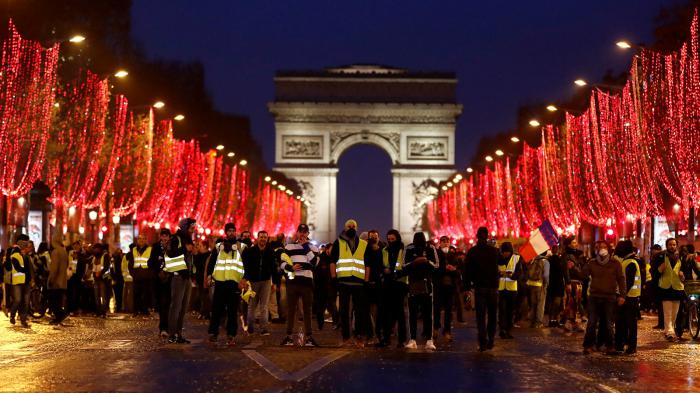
(534, 270)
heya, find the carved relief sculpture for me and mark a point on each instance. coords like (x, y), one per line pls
(302, 146)
(427, 148)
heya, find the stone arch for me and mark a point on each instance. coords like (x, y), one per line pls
(364, 137)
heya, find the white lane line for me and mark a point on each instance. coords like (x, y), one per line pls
(298, 375)
(607, 388)
(317, 365)
(266, 364)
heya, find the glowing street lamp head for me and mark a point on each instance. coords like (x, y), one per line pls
(230, 154)
(76, 39)
(623, 45)
(514, 139)
(488, 158)
(158, 104)
(92, 215)
(458, 176)
(244, 162)
(268, 178)
(499, 152)
(580, 82)
(179, 117)
(534, 123)
(470, 170)
(121, 73)
(552, 108)
(220, 147)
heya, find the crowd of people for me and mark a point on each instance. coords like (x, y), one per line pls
(371, 289)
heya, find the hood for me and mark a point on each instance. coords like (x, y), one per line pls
(57, 240)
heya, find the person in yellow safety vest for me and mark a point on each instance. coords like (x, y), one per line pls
(348, 266)
(626, 319)
(128, 291)
(225, 273)
(666, 267)
(178, 262)
(510, 268)
(22, 276)
(101, 274)
(395, 290)
(7, 272)
(139, 257)
(537, 281)
(163, 281)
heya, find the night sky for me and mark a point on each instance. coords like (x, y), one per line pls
(505, 54)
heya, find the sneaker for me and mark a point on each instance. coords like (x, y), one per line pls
(172, 339)
(264, 332)
(25, 324)
(630, 351)
(411, 345)
(360, 343)
(12, 320)
(310, 342)
(429, 345)
(213, 338)
(231, 341)
(163, 334)
(287, 342)
(182, 340)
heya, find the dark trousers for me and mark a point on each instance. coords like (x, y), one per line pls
(395, 310)
(227, 297)
(20, 301)
(163, 296)
(74, 290)
(180, 289)
(599, 309)
(324, 299)
(422, 304)
(56, 301)
(142, 295)
(118, 288)
(443, 302)
(486, 307)
(299, 288)
(374, 317)
(626, 325)
(506, 310)
(356, 293)
(103, 292)
(8, 296)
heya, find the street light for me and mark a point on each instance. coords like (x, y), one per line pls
(534, 123)
(92, 215)
(580, 82)
(623, 45)
(268, 178)
(499, 152)
(159, 104)
(470, 170)
(552, 108)
(514, 139)
(230, 154)
(488, 158)
(121, 73)
(115, 220)
(76, 39)
(179, 117)
(274, 182)
(244, 162)
(220, 147)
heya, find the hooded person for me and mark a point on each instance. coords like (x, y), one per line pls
(178, 262)
(420, 262)
(483, 275)
(58, 278)
(510, 268)
(394, 290)
(348, 257)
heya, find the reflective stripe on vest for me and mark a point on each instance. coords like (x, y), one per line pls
(228, 266)
(351, 264)
(636, 289)
(399, 264)
(506, 283)
(141, 260)
(18, 277)
(125, 270)
(176, 263)
(669, 278)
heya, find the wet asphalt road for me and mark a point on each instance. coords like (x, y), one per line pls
(124, 354)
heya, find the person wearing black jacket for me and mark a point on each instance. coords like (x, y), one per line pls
(325, 292)
(483, 276)
(161, 280)
(555, 287)
(420, 262)
(180, 283)
(446, 278)
(22, 275)
(510, 269)
(101, 272)
(626, 318)
(138, 265)
(375, 320)
(259, 264)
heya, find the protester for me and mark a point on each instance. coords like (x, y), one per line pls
(225, 272)
(162, 280)
(22, 273)
(483, 275)
(446, 279)
(537, 282)
(178, 262)
(666, 267)
(573, 258)
(325, 292)
(395, 290)
(373, 262)
(510, 269)
(143, 276)
(626, 321)
(259, 262)
(58, 280)
(420, 262)
(555, 287)
(101, 273)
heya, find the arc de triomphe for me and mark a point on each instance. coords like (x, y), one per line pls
(410, 115)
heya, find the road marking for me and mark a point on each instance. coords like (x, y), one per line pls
(607, 388)
(298, 375)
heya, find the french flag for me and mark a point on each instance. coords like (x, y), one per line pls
(541, 239)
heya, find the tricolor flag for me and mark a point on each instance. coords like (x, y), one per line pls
(541, 240)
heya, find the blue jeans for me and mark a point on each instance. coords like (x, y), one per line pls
(599, 309)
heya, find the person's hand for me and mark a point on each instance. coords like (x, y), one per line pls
(620, 300)
(681, 276)
(662, 267)
(386, 270)
(502, 273)
(297, 267)
(207, 280)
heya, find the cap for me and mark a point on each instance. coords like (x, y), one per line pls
(303, 228)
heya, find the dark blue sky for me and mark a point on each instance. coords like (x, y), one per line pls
(505, 53)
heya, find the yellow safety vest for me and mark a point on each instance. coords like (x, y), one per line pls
(399, 264)
(176, 263)
(228, 267)
(73, 263)
(636, 289)
(125, 270)
(506, 283)
(141, 260)
(18, 277)
(648, 267)
(669, 278)
(535, 283)
(351, 264)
